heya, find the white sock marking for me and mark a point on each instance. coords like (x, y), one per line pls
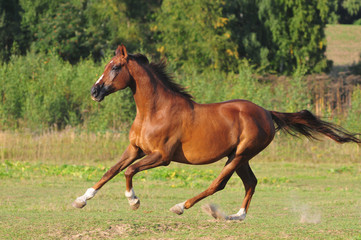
(129, 194)
(89, 194)
(241, 212)
(181, 205)
(241, 215)
(132, 199)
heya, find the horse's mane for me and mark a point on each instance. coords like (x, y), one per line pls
(160, 70)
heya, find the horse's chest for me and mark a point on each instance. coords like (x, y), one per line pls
(151, 138)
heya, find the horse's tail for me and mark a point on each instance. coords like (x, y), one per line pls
(307, 124)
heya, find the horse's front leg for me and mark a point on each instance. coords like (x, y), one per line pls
(128, 157)
(151, 161)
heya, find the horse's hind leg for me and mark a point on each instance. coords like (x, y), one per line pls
(249, 182)
(218, 184)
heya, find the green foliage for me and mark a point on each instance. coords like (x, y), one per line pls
(353, 117)
(25, 170)
(111, 22)
(79, 28)
(42, 90)
(195, 34)
(298, 96)
(344, 11)
(297, 34)
(63, 31)
(275, 35)
(12, 35)
(353, 7)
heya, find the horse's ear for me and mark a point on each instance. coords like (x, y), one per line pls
(121, 51)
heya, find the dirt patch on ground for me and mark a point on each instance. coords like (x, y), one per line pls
(122, 231)
(118, 230)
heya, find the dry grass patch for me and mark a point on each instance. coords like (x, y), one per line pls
(343, 44)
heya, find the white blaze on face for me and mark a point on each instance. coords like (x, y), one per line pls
(101, 77)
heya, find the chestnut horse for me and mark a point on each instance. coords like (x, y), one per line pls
(170, 126)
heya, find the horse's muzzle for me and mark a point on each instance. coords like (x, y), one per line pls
(98, 92)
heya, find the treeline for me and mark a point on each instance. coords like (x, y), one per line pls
(276, 35)
(53, 51)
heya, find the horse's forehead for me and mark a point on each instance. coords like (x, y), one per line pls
(111, 63)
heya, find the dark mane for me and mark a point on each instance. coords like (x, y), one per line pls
(140, 58)
(160, 70)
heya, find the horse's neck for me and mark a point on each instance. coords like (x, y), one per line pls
(149, 96)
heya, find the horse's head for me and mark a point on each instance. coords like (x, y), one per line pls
(115, 76)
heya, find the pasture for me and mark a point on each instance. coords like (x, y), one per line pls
(306, 190)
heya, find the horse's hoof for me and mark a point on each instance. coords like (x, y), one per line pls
(177, 209)
(134, 205)
(236, 217)
(78, 204)
(240, 216)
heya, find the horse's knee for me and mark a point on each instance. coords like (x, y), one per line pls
(129, 172)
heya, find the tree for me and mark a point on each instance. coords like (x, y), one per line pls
(280, 35)
(64, 32)
(111, 22)
(195, 33)
(12, 36)
(79, 28)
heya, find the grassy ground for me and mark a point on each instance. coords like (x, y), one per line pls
(306, 190)
(294, 201)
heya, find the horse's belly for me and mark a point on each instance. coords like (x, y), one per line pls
(204, 151)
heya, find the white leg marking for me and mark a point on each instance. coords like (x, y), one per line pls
(81, 201)
(178, 208)
(132, 199)
(241, 215)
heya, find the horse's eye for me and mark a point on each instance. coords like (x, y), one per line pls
(116, 68)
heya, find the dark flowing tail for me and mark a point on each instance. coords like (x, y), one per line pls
(307, 124)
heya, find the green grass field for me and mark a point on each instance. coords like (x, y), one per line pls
(306, 190)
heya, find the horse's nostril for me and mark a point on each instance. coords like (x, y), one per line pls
(94, 91)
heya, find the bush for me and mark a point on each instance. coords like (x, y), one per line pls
(39, 91)
(353, 117)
